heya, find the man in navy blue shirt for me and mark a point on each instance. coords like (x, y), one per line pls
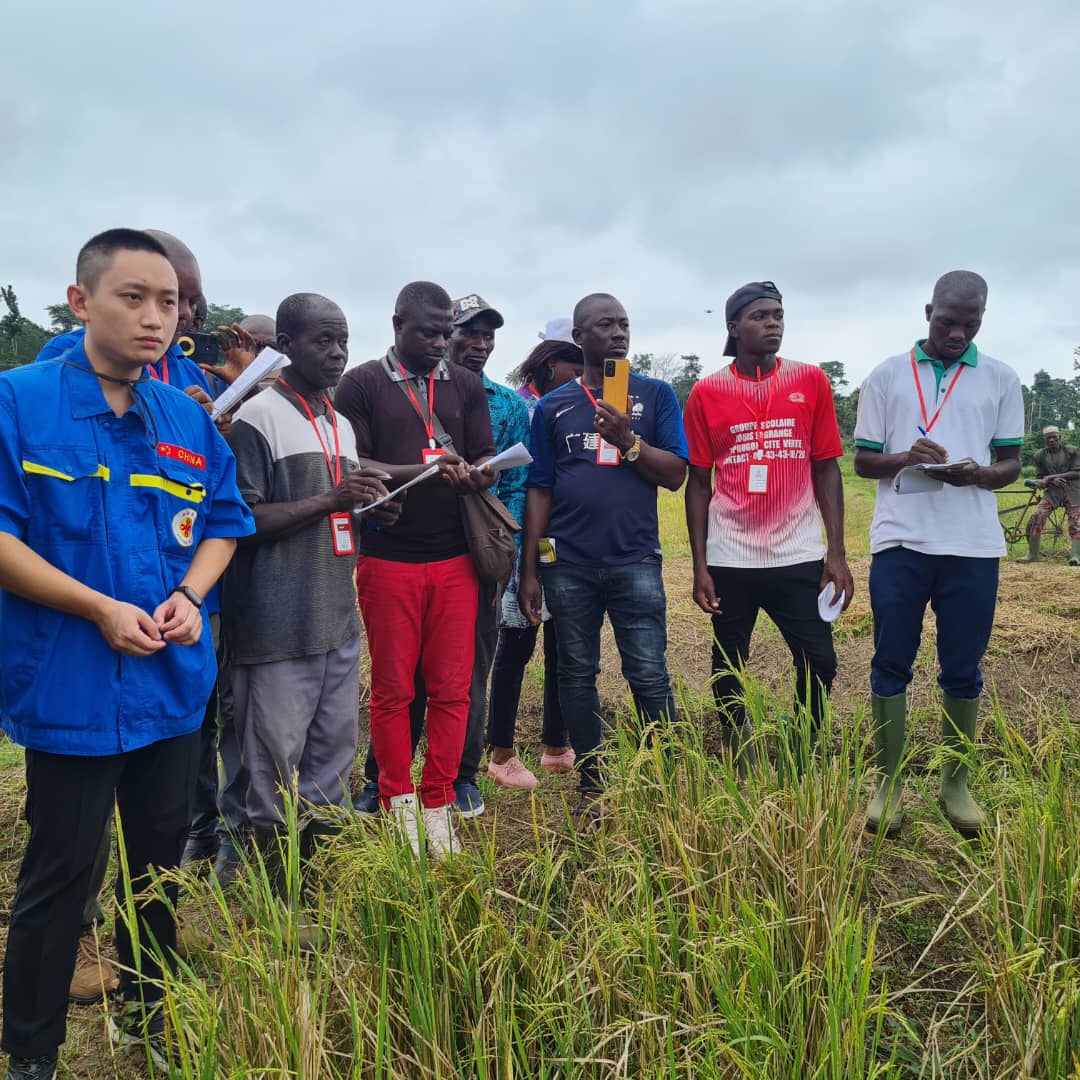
(118, 512)
(591, 534)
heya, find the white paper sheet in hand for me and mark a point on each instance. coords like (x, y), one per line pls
(266, 363)
(511, 458)
(428, 472)
(914, 481)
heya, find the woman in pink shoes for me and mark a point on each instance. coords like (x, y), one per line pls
(555, 361)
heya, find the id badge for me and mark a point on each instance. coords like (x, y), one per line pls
(341, 533)
(429, 456)
(606, 454)
(547, 550)
(759, 480)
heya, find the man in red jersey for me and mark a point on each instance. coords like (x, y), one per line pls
(767, 428)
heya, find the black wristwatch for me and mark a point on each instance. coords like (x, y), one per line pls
(190, 593)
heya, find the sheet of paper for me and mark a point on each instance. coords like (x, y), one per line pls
(948, 467)
(425, 475)
(266, 363)
(915, 480)
(511, 458)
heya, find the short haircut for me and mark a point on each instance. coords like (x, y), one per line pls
(964, 286)
(582, 305)
(294, 311)
(98, 253)
(421, 294)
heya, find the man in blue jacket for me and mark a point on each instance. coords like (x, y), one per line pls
(118, 512)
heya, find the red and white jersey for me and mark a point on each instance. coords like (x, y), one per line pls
(762, 436)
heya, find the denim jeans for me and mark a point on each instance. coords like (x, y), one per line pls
(633, 598)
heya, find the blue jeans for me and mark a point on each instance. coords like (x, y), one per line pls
(963, 594)
(633, 597)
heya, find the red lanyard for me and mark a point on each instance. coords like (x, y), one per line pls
(429, 420)
(739, 379)
(928, 425)
(588, 393)
(335, 473)
(164, 376)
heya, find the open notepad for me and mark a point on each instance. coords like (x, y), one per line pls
(920, 478)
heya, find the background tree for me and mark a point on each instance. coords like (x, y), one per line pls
(834, 372)
(61, 318)
(641, 363)
(222, 315)
(20, 338)
(683, 383)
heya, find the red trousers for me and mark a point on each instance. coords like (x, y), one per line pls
(426, 613)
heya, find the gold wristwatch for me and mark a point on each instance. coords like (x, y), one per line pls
(634, 452)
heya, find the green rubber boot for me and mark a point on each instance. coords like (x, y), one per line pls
(1074, 555)
(740, 746)
(1034, 543)
(959, 717)
(884, 814)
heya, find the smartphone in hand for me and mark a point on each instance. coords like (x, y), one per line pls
(617, 383)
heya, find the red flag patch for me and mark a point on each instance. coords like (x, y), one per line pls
(185, 457)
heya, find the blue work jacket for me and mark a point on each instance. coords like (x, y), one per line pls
(121, 504)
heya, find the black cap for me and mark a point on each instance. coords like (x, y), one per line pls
(754, 290)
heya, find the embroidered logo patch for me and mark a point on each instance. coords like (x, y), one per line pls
(185, 457)
(183, 526)
(798, 397)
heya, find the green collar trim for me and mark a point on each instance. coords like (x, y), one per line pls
(969, 356)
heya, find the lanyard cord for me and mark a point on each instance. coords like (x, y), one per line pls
(335, 473)
(928, 425)
(429, 420)
(740, 379)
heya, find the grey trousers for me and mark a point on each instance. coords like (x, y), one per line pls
(297, 717)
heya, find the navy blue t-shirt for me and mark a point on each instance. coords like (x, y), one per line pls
(601, 515)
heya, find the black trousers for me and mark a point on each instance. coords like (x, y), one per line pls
(515, 650)
(788, 595)
(68, 803)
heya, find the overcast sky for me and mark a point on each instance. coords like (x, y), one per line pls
(666, 151)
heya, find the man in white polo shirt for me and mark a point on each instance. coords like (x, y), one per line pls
(941, 401)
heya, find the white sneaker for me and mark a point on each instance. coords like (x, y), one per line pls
(403, 817)
(439, 825)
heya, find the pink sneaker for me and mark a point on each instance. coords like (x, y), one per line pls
(561, 762)
(512, 774)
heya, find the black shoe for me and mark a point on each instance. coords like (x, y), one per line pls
(227, 863)
(199, 849)
(35, 1068)
(131, 1026)
(367, 802)
(586, 816)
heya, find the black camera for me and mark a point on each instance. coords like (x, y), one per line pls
(202, 348)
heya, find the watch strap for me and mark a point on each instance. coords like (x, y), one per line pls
(190, 593)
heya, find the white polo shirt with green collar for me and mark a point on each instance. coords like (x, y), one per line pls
(984, 410)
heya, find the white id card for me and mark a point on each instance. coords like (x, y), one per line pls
(759, 480)
(606, 454)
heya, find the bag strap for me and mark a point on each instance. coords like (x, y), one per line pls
(442, 437)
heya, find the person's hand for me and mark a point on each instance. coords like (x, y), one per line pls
(197, 393)
(462, 477)
(1057, 480)
(224, 423)
(613, 426)
(1041, 482)
(179, 620)
(926, 452)
(964, 477)
(129, 630)
(530, 597)
(705, 592)
(238, 349)
(359, 488)
(386, 515)
(839, 573)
